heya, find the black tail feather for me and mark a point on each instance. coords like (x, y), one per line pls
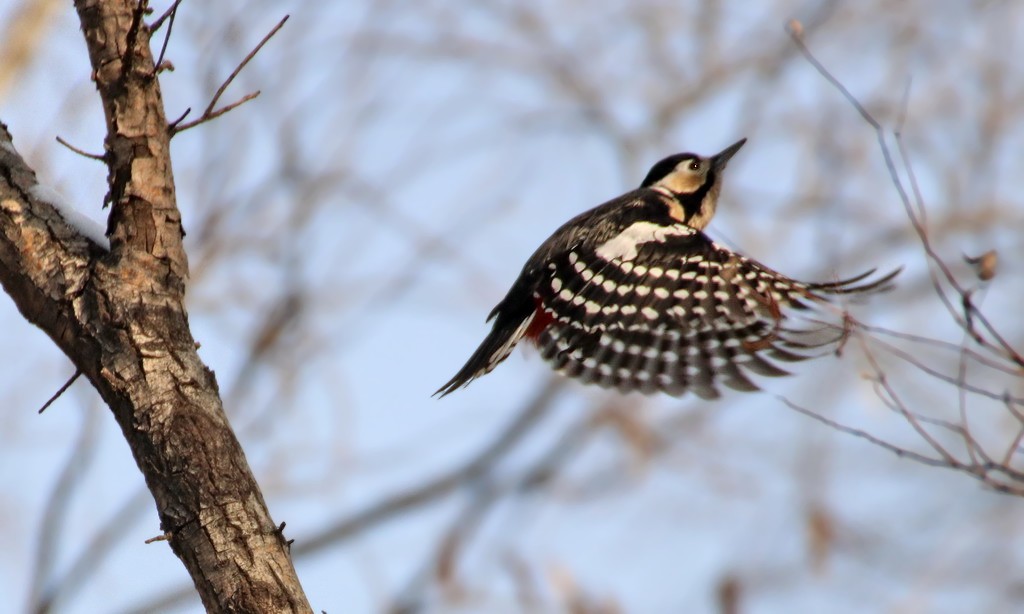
(850, 285)
(494, 349)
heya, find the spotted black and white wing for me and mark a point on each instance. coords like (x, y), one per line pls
(663, 308)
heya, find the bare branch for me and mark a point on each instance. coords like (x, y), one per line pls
(918, 225)
(159, 21)
(80, 152)
(123, 324)
(209, 113)
(60, 391)
(207, 116)
(898, 451)
(171, 13)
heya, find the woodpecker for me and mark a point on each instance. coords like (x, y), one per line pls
(633, 295)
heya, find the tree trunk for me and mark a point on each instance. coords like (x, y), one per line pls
(120, 317)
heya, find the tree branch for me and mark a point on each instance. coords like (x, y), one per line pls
(211, 111)
(120, 317)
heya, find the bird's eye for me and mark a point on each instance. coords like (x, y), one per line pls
(695, 166)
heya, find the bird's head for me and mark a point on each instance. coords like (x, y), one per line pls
(692, 184)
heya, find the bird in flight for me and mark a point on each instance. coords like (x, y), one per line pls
(633, 295)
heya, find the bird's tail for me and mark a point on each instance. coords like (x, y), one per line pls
(494, 349)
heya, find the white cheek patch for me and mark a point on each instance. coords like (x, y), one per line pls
(623, 246)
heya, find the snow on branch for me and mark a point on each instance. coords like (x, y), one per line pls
(85, 225)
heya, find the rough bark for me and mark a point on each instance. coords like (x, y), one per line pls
(120, 317)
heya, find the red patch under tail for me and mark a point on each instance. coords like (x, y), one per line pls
(542, 318)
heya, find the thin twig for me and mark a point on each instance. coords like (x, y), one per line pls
(897, 132)
(961, 385)
(949, 379)
(909, 416)
(893, 405)
(210, 116)
(61, 391)
(160, 20)
(978, 471)
(1013, 448)
(944, 345)
(965, 314)
(209, 113)
(80, 152)
(173, 12)
(248, 58)
(1001, 345)
(849, 430)
(798, 39)
(890, 164)
(173, 125)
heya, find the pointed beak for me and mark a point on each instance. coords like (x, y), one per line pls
(719, 160)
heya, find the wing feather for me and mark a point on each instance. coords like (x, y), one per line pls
(677, 312)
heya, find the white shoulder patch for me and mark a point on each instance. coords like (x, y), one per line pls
(623, 246)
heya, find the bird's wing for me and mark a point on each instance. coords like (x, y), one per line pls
(674, 312)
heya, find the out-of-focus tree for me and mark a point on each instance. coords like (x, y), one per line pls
(349, 229)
